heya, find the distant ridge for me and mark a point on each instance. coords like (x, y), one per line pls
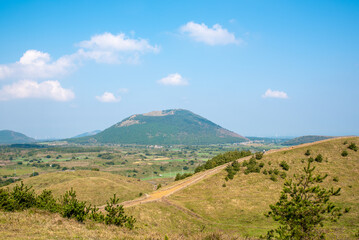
(174, 126)
(87, 134)
(305, 139)
(11, 137)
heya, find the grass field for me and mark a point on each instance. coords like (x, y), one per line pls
(205, 209)
(92, 186)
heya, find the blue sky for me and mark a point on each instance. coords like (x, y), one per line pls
(259, 68)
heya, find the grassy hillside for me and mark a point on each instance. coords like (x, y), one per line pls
(91, 186)
(164, 128)
(208, 207)
(11, 137)
(241, 204)
(304, 139)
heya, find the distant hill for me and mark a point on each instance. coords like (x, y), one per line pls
(87, 134)
(175, 126)
(11, 137)
(304, 139)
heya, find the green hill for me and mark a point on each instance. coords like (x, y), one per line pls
(164, 128)
(11, 137)
(304, 139)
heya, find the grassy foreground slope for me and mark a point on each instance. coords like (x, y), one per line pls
(240, 205)
(92, 186)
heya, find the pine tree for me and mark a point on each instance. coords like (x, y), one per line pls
(303, 207)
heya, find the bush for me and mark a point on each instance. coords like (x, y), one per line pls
(319, 158)
(307, 153)
(159, 186)
(34, 174)
(353, 147)
(344, 153)
(265, 172)
(116, 214)
(335, 179)
(182, 176)
(345, 142)
(95, 215)
(47, 201)
(261, 165)
(73, 208)
(259, 155)
(19, 198)
(284, 165)
(252, 166)
(283, 175)
(273, 178)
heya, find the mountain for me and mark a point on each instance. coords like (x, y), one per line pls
(86, 134)
(174, 126)
(11, 137)
(304, 139)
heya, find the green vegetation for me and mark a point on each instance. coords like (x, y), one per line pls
(222, 159)
(284, 165)
(344, 153)
(353, 147)
(22, 197)
(164, 128)
(303, 206)
(182, 176)
(319, 158)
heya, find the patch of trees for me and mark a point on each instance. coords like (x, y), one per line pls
(106, 155)
(353, 147)
(303, 207)
(232, 169)
(23, 197)
(252, 166)
(8, 181)
(222, 159)
(182, 176)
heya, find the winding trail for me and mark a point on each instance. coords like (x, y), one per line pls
(161, 194)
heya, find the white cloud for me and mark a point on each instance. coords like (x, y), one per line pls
(173, 80)
(108, 97)
(274, 94)
(109, 48)
(35, 64)
(211, 36)
(32, 89)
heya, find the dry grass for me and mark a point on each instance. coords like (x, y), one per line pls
(241, 204)
(36, 224)
(91, 186)
(200, 210)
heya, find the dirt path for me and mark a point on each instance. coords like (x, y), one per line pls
(177, 186)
